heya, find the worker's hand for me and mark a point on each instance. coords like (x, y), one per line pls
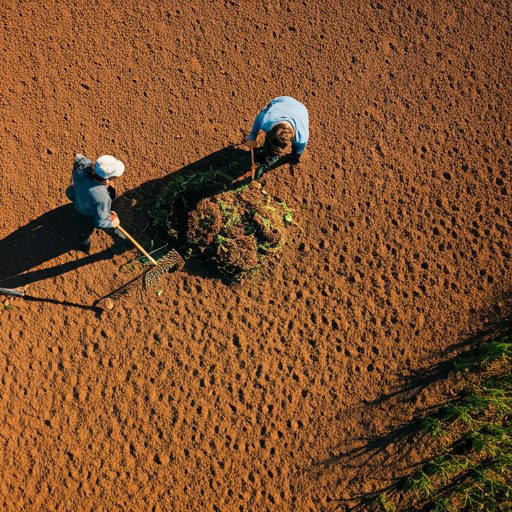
(247, 146)
(114, 219)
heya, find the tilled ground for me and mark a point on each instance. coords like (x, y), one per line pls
(275, 394)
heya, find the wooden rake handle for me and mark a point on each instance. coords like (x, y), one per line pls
(11, 291)
(250, 173)
(253, 167)
(137, 245)
(246, 175)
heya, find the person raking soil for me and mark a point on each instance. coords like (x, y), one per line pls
(92, 194)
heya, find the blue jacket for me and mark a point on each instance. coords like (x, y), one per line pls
(89, 197)
(282, 109)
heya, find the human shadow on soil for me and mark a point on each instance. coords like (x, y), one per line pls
(393, 449)
(54, 233)
(43, 239)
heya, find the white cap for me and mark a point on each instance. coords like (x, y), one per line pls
(108, 167)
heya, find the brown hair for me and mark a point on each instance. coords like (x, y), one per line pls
(279, 139)
(99, 179)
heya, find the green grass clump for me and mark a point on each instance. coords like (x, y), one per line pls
(184, 192)
(501, 350)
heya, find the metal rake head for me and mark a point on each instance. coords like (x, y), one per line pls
(172, 260)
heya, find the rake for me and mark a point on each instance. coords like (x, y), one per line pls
(165, 264)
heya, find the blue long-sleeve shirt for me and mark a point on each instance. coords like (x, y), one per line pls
(286, 109)
(89, 197)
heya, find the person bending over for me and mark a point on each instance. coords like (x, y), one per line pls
(285, 122)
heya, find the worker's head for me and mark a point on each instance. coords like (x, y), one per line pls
(279, 139)
(107, 168)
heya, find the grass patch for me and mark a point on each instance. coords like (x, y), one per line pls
(473, 468)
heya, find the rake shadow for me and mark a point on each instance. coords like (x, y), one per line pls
(406, 438)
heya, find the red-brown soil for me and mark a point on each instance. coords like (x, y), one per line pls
(261, 396)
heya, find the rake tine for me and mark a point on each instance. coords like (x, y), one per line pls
(165, 264)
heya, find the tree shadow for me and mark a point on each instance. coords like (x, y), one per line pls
(469, 346)
(391, 450)
(54, 233)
